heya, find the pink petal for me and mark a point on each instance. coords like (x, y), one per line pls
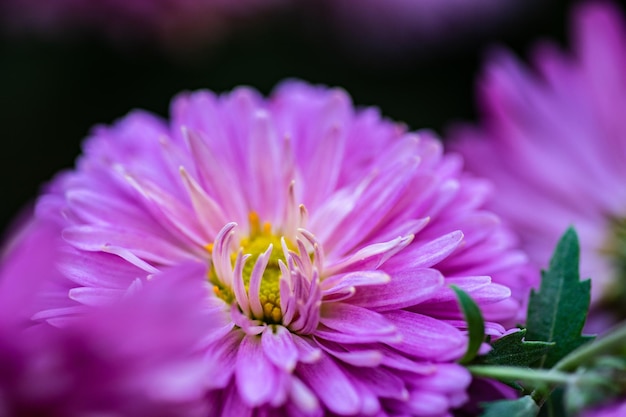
(216, 176)
(100, 269)
(349, 319)
(371, 256)
(269, 188)
(426, 254)
(144, 245)
(254, 286)
(255, 374)
(95, 296)
(279, 347)
(356, 357)
(208, 211)
(331, 385)
(383, 382)
(405, 289)
(308, 352)
(426, 337)
(423, 403)
(221, 360)
(347, 283)
(302, 397)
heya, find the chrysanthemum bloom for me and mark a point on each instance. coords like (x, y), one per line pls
(553, 141)
(329, 236)
(138, 356)
(175, 22)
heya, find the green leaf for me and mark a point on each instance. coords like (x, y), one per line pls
(557, 312)
(475, 324)
(553, 405)
(513, 350)
(522, 407)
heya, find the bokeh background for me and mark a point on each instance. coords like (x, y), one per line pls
(55, 86)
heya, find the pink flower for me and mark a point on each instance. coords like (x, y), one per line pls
(329, 236)
(140, 355)
(173, 22)
(393, 26)
(553, 141)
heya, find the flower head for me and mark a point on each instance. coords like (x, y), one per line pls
(328, 237)
(554, 143)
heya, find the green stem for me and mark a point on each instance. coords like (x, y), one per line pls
(612, 340)
(514, 373)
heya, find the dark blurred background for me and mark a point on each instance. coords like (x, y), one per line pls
(54, 88)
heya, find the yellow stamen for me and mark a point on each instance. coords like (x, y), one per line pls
(255, 223)
(255, 244)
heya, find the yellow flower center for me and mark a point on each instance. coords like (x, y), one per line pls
(255, 244)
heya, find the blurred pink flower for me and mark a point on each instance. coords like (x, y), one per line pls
(393, 26)
(553, 141)
(329, 236)
(137, 356)
(175, 22)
